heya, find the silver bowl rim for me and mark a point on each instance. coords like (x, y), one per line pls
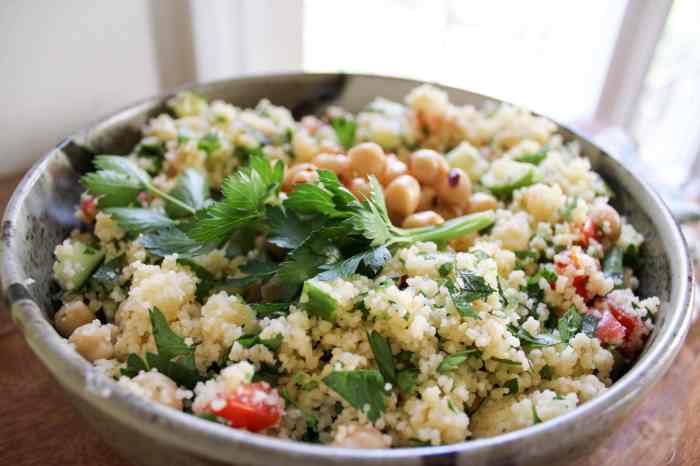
(171, 426)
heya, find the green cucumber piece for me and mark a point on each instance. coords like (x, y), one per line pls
(505, 176)
(317, 301)
(75, 267)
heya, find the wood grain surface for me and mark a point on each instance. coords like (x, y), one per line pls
(38, 426)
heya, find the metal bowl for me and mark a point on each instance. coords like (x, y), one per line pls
(40, 215)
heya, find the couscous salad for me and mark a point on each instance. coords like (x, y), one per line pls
(419, 273)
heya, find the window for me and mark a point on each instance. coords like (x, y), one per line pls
(551, 59)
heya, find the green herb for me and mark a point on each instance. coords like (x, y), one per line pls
(505, 191)
(407, 379)
(569, 324)
(525, 258)
(361, 389)
(345, 130)
(192, 190)
(168, 241)
(273, 344)
(547, 372)
(535, 418)
(118, 182)
(445, 269)
(151, 147)
(175, 358)
(512, 386)
(270, 310)
(267, 373)
(501, 294)
(453, 361)
(210, 143)
(134, 365)
(528, 341)
(382, 354)
(287, 229)
(137, 220)
(108, 273)
(374, 260)
(508, 362)
(243, 205)
(631, 258)
(466, 289)
(589, 324)
(613, 267)
(534, 158)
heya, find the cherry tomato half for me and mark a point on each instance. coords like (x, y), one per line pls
(254, 407)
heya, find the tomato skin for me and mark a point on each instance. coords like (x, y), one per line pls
(254, 407)
(580, 282)
(88, 207)
(609, 330)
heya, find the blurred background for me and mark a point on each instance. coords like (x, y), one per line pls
(633, 65)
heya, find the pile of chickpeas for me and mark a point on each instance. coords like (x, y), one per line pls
(420, 190)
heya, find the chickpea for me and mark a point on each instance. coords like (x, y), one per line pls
(329, 147)
(93, 341)
(428, 197)
(337, 163)
(428, 166)
(291, 179)
(358, 436)
(402, 196)
(71, 316)
(423, 219)
(448, 211)
(394, 169)
(480, 202)
(608, 221)
(463, 243)
(455, 188)
(305, 176)
(360, 188)
(367, 159)
(159, 388)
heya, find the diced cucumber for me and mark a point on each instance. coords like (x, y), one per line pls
(318, 300)
(533, 158)
(505, 176)
(76, 263)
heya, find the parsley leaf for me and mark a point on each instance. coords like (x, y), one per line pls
(192, 189)
(468, 288)
(528, 341)
(137, 220)
(569, 324)
(287, 229)
(453, 361)
(175, 358)
(112, 189)
(108, 273)
(248, 341)
(345, 130)
(512, 386)
(407, 379)
(270, 310)
(245, 193)
(613, 267)
(169, 241)
(361, 389)
(209, 143)
(382, 354)
(374, 259)
(534, 158)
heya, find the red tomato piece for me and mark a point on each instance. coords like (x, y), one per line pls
(254, 407)
(580, 282)
(635, 329)
(88, 207)
(609, 330)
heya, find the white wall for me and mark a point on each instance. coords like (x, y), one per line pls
(64, 64)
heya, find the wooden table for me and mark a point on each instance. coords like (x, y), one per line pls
(39, 427)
